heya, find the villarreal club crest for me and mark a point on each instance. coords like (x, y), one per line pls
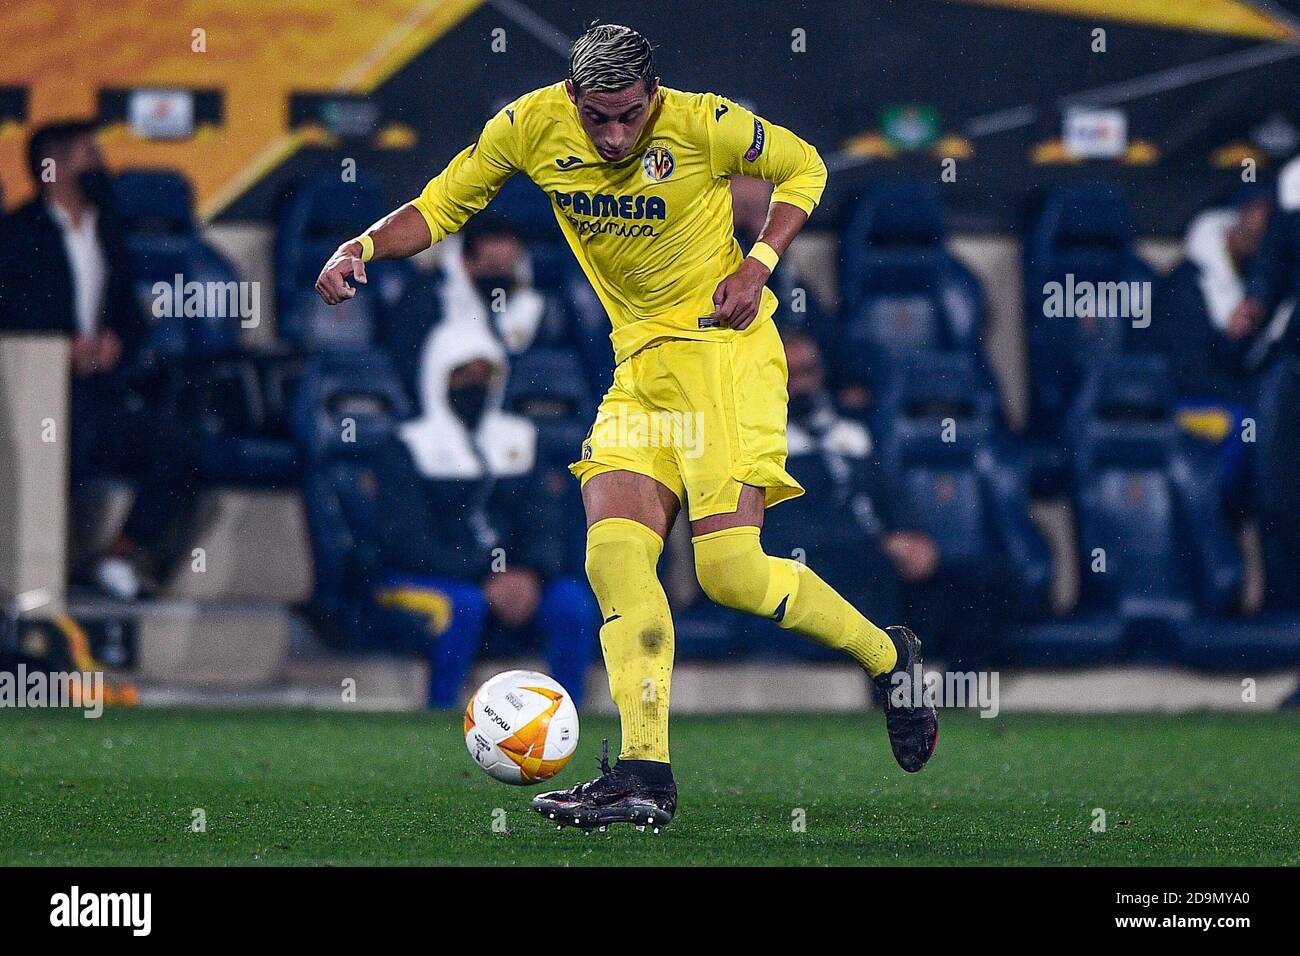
(657, 163)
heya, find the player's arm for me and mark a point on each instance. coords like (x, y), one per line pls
(744, 144)
(465, 187)
(400, 234)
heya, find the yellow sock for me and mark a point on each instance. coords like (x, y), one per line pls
(637, 636)
(734, 572)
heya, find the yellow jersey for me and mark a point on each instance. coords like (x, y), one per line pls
(653, 231)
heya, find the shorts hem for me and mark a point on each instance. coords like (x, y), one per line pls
(585, 470)
(777, 484)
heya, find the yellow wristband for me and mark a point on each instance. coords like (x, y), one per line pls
(765, 254)
(367, 246)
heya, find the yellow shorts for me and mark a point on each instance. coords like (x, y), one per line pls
(702, 418)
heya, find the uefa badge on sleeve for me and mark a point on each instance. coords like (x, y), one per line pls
(756, 145)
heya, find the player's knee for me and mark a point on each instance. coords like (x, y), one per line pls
(733, 570)
(731, 587)
(619, 550)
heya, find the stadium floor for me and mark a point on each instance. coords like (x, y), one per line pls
(330, 788)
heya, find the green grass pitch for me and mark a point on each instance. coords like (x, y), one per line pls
(338, 788)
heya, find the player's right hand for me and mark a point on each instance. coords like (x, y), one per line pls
(345, 264)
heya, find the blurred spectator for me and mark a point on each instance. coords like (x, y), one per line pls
(65, 270)
(1266, 315)
(1262, 319)
(848, 525)
(465, 536)
(1274, 276)
(1214, 360)
(1210, 357)
(486, 279)
(855, 527)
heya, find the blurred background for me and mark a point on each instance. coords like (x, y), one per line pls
(1043, 373)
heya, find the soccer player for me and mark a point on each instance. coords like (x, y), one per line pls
(638, 175)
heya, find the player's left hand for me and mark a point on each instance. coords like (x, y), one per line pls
(736, 299)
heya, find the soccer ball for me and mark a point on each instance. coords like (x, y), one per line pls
(521, 727)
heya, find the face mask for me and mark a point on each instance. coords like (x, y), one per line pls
(96, 186)
(469, 403)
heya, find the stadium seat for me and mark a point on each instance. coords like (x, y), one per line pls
(239, 399)
(589, 330)
(901, 290)
(346, 408)
(1160, 572)
(706, 632)
(242, 405)
(149, 202)
(522, 203)
(1276, 492)
(1267, 642)
(549, 386)
(323, 213)
(960, 478)
(1147, 501)
(1082, 234)
(155, 211)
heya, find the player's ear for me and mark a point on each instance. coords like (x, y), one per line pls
(654, 87)
(568, 88)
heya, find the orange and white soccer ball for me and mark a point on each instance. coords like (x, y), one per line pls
(521, 727)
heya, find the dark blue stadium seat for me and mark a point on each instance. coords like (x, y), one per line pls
(346, 408)
(527, 207)
(706, 632)
(153, 202)
(1160, 573)
(323, 213)
(901, 290)
(243, 406)
(549, 386)
(1266, 642)
(1147, 500)
(960, 478)
(589, 330)
(1276, 491)
(155, 209)
(1084, 232)
(891, 222)
(239, 399)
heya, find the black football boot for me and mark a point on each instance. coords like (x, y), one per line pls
(640, 792)
(912, 724)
